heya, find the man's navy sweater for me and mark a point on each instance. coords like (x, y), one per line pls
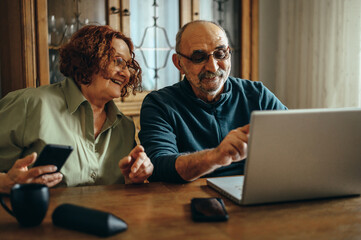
(174, 122)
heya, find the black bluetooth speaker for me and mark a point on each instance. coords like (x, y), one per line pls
(87, 220)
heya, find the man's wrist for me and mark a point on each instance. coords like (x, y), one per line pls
(214, 158)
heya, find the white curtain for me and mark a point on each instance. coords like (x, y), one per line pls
(318, 55)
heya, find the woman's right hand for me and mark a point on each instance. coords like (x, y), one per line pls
(19, 173)
(136, 167)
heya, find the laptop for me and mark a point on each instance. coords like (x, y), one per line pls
(298, 155)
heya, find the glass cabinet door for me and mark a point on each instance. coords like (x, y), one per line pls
(64, 18)
(153, 27)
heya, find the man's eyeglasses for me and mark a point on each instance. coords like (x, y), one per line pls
(120, 62)
(199, 56)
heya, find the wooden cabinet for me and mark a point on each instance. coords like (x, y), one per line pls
(23, 44)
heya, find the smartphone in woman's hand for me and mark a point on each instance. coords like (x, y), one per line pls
(53, 154)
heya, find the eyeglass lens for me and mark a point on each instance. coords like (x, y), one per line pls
(200, 56)
(121, 62)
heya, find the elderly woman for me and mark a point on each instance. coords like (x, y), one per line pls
(79, 111)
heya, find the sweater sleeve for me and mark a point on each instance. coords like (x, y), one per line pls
(158, 137)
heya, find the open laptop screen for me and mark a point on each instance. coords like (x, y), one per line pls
(303, 154)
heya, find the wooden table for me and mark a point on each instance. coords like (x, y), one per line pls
(162, 211)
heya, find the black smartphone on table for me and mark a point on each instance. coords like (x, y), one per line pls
(208, 210)
(53, 154)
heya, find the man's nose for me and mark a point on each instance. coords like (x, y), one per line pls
(211, 64)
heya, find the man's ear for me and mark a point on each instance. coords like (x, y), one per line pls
(176, 62)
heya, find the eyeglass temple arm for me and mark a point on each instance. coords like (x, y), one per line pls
(184, 56)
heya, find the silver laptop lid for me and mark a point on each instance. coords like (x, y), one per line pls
(303, 154)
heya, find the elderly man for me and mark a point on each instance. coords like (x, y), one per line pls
(199, 126)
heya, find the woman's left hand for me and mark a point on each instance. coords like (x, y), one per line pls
(136, 167)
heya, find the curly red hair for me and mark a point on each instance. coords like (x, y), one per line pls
(89, 52)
